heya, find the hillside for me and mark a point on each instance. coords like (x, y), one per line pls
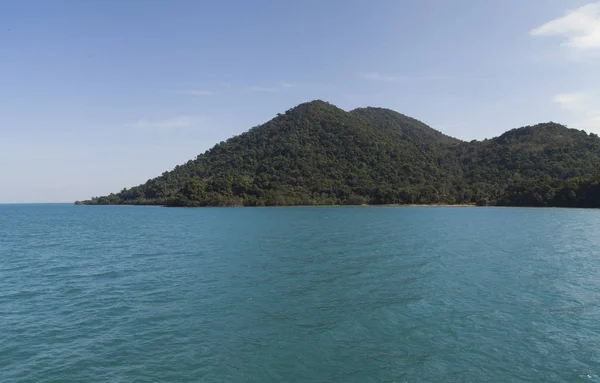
(318, 154)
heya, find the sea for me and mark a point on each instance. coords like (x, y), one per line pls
(299, 294)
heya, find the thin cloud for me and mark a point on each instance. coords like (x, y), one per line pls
(380, 77)
(579, 28)
(584, 106)
(280, 86)
(578, 101)
(260, 89)
(376, 76)
(171, 124)
(194, 92)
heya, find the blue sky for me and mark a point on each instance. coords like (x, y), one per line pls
(100, 95)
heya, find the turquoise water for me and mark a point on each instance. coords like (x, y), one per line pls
(143, 294)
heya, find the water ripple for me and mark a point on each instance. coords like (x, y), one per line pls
(125, 294)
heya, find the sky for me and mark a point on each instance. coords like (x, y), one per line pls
(96, 96)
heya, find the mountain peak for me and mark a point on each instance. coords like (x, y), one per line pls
(411, 127)
(547, 133)
(314, 105)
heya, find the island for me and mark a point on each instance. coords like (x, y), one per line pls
(319, 154)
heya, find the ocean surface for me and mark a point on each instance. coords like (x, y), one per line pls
(363, 294)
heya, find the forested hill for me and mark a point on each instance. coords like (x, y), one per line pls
(318, 154)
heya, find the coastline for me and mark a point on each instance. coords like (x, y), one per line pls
(424, 205)
(241, 206)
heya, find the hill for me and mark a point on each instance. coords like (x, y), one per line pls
(318, 154)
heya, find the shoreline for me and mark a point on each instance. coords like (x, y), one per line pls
(272, 206)
(324, 206)
(423, 205)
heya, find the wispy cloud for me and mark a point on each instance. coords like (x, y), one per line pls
(584, 106)
(280, 86)
(576, 102)
(195, 92)
(260, 89)
(376, 76)
(579, 28)
(170, 124)
(391, 78)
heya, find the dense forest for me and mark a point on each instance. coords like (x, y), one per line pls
(318, 154)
